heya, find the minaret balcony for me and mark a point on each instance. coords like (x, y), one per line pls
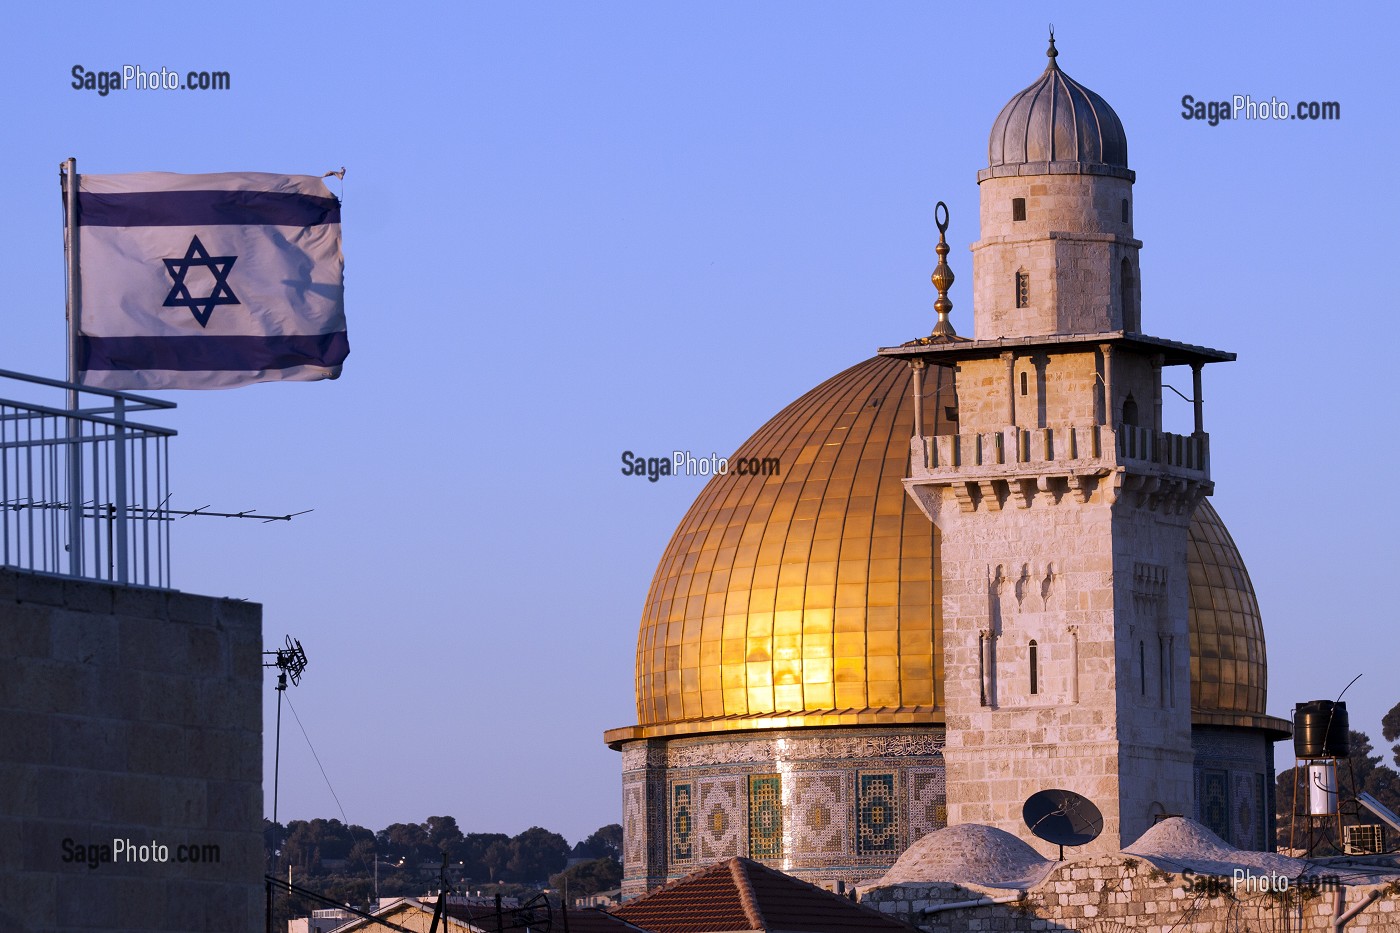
(1018, 465)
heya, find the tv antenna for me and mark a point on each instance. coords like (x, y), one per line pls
(290, 662)
(1063, 818)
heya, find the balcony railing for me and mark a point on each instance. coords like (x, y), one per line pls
(1180, 451)
(83, 490)
(1013, 448)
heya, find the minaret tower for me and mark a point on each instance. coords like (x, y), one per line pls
(1057, 254)
(1062, 504)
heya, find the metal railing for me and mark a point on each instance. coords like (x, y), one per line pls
(83, 490)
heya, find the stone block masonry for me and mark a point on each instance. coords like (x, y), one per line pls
(130, 758)
(1122, 893)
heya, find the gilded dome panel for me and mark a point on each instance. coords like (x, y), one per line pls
(818, 581)
(1227, 633)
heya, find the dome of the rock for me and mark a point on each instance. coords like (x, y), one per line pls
(811, 597)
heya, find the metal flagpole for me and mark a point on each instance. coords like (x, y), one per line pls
(75, 458)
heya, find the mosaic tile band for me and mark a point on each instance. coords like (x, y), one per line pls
(849, 802)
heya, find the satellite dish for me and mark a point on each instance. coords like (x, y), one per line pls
(1063, 818)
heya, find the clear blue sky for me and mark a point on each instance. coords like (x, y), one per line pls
(574, 229)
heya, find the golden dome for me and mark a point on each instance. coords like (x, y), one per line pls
(809, 598)
(1229, 672)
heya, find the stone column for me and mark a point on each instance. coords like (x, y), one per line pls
(1108, 413)
(1009, 359)
(1196, 399)
(1157, 394)
(918, 367)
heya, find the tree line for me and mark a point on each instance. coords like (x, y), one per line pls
(345, 861)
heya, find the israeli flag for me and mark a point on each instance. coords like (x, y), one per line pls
(208, 281)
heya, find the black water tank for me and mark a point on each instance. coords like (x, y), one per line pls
(1320, 730)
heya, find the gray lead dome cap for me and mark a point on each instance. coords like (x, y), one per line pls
(1057, 119)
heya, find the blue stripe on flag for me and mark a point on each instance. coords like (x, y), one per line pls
(212, 354)
(205, 208)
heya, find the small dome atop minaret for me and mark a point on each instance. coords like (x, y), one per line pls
(1057, 119)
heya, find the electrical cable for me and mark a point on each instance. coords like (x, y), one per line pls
(344, 819)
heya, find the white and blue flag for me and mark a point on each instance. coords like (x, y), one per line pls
(208, 281)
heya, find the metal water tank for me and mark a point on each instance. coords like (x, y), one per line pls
(1322, 788)
(1321, 730)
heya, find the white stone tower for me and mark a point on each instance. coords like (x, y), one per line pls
(1063, 507)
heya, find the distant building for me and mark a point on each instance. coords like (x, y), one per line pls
(474, 915)
(600, 899)
(320, 921)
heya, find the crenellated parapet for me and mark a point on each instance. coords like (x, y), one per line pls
(1018, 467)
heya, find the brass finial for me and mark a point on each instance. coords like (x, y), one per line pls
(1051, 51)
(942, 276)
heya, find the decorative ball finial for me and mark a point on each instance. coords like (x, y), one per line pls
(1051, 52)
(942, 276)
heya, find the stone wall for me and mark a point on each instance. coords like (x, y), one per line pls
(1066, 574)
(1117, 893)
(1073, 244)
(131, 717)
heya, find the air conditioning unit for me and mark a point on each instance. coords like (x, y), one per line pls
(1367, 839)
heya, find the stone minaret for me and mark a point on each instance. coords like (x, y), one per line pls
(1063, 507)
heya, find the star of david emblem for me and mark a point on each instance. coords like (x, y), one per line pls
(221, 294)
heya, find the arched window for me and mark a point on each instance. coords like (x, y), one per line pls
(1035, 667)
(1127, 296)
(1130, 413)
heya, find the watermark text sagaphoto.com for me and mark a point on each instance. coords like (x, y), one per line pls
(134, 77)
(1244, 881)
(1245, 107)
(684, 463)
(130, 852)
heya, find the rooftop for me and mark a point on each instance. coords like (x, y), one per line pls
(741, 894)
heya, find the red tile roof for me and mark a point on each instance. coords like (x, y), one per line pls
(741, 894)
(590, 920)
(580, 920)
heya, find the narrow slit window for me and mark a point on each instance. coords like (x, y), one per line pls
(1025, 390)
(1023, 289)
(1035, 667)
(1171, 677)
(1127, 296)
(1018, 208)
(1142, 666)
(982, 667)
(1162, 673)
(1125, 210)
